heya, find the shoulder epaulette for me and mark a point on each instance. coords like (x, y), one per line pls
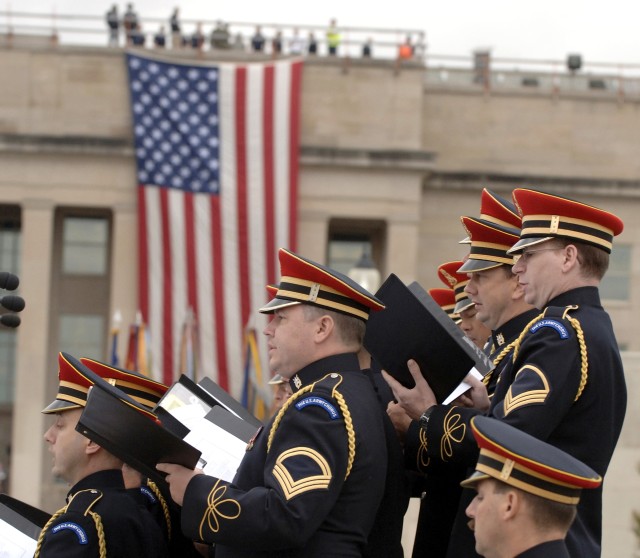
(83, 501)
(560, 312)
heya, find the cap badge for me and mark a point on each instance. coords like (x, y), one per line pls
(313, 293)
(555, 224)
(506, 469)
(450, 278)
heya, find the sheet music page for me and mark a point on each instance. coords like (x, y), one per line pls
(221, 451)
(462, 387)
(14, 543)
(184, 406)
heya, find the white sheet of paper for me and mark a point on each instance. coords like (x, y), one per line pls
(221, 450)
(462, 387)
(14, 543)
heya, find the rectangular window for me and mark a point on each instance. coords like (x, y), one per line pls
(83, 335)
(85, 246)
(350, 239)
(616, 283)
(80, 295)
(345, 251)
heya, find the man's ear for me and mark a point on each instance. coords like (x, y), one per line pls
(511, 505)
(570, 255)
(92, 447)
(324, 327)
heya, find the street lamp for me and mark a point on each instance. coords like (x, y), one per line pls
(365, 273)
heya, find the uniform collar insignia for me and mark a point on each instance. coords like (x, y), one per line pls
(297, 381)
(500, 339)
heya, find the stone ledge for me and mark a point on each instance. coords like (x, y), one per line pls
(27, 143)
(400, 159)
(562, 185)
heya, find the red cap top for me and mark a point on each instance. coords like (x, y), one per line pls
(446, 299)
(448, 274)
(306, 282)
(546, 216)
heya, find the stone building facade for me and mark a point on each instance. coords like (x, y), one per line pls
(390, 158)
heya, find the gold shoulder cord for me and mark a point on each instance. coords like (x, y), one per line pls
(351, 435)
(584, 362)
(163, 503)
(44, 530)
(99, 529)
(503, 353)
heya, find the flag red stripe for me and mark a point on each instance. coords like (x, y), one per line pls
(190, 252)
(167, 309)
(218, 291)
(267, 142)
(241, 186)
(143, 255)
(294, 138)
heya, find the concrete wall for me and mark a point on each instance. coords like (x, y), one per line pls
(535, 135)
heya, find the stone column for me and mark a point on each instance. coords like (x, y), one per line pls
(33, 364)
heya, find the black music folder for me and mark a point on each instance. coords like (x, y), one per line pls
(114, 423)
(225, 400)
(206, 395)
(413, 326)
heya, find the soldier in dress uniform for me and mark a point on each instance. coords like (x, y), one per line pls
(504, 314)
(312, 481)
(100, 519)
(465, 308)
(281, 392)
(527, 492)
(153, 496)
(564, 381)
(494, 288)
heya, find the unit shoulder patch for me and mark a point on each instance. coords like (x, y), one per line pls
(559, 327)
(315, 400)
(76, 529)
(148, 494)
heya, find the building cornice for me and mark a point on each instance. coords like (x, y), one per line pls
(571, 186)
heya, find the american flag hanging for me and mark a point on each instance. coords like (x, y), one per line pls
(217, 160)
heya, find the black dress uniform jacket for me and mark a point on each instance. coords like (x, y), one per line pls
(129, 530)
(311, 484)
(166, 513)
(552, 549)
(563, 384)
